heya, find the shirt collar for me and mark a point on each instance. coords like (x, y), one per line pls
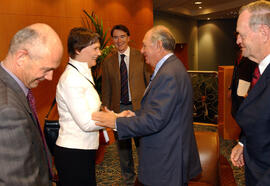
(127, 52)
(160, 63)
(20, 83)
(82, 66)
(264, 63)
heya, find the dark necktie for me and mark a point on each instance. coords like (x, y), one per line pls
(124, 81)
(32, 104)
(255, 77)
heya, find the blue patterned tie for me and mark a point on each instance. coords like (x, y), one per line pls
(124, 81)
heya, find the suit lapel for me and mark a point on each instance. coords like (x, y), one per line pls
(116, 69)
(258, 88)
(132, 64)
(11, 83)
(148, 88)
(15, 87)
(115, 66)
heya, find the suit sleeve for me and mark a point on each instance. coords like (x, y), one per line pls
(18, 164)
(155, 114)
(106, 86)
(242, 138)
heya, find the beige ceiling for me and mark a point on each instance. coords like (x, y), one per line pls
(214, 9)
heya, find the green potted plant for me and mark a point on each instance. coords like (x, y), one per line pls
(93, 23)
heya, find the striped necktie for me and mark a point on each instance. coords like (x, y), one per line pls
(124, 80)
(32, 103)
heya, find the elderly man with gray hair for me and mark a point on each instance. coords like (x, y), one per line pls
(168, 153)
(253, 116)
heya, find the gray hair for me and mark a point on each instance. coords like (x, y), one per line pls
(260, 13)
(163, 34)
(26, 39)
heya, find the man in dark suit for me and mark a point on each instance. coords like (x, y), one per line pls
(168, 152)
(34, 52)
(253, 115)
(138, 75)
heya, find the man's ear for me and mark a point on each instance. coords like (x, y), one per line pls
(265, 32)
(20, 56)
(159, 45)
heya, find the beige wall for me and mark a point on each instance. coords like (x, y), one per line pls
(185, 31)
(63, 15)
(216, 43)
(210, 43)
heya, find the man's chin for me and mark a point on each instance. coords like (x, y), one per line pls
(244, 52)
(34, 84)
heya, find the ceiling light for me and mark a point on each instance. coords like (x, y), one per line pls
(208, 18)
(197, 2)
(200, 7)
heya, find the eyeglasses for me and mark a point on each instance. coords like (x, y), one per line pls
(119, 37)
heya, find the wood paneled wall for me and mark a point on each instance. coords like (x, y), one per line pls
(63, 15)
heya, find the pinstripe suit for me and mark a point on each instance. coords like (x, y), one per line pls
(23, 159)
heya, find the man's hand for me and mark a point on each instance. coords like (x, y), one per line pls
(237, 157)
(126, 113)
(105, 118)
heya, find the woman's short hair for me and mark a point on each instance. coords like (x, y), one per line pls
(80, 38)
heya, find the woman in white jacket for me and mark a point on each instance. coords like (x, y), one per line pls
(77, 98)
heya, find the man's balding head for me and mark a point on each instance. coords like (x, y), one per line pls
(34, 52)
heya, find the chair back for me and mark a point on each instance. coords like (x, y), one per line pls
(208, 147)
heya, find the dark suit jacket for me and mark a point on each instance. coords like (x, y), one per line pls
(139, 75)
(253, 117)
(168, 151)
(23, 159)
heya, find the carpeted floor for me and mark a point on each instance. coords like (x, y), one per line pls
(108, 172)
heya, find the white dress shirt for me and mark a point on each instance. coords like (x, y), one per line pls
(264, 63)
(76, 100)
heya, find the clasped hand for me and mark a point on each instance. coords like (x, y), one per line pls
(107, 118)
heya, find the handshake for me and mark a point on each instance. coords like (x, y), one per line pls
(107, 118)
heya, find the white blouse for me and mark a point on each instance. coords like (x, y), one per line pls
(76, 100)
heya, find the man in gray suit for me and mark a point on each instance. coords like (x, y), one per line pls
(34, 52)
(168, 152)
